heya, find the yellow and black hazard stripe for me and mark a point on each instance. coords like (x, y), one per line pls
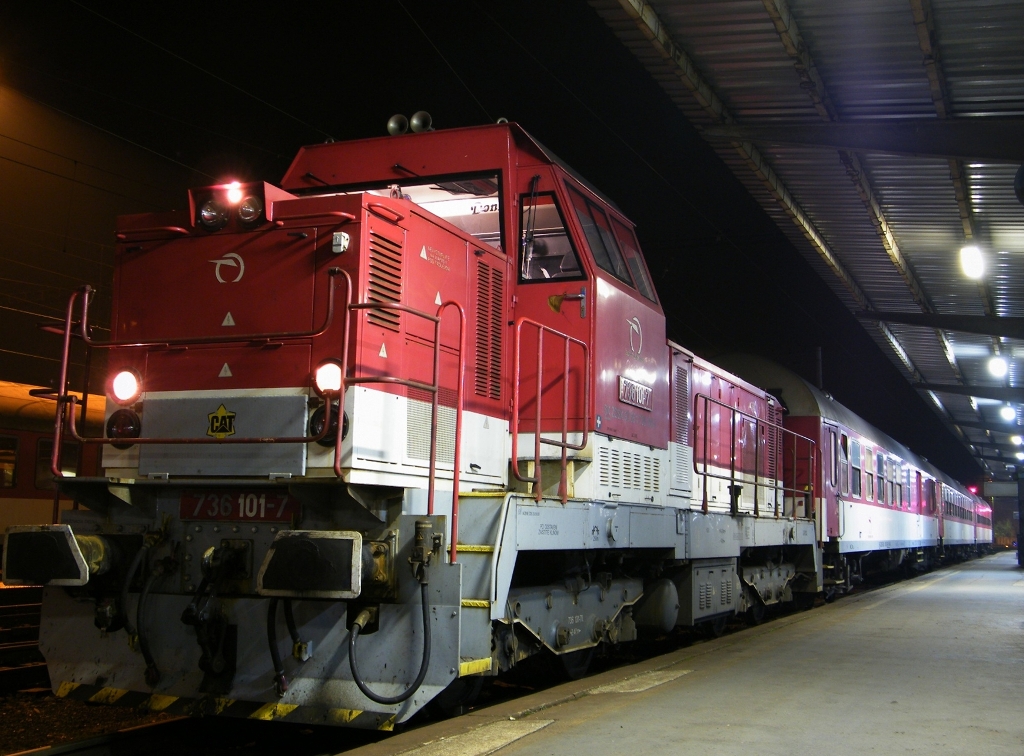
(227, 707)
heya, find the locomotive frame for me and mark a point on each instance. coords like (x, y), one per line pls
(486, 449)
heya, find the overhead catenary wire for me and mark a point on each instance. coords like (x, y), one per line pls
(7, 61)
(196, 66)
(441, 55)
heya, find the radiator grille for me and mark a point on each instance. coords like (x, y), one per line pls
(628, 470)
(489, 300)
(774, 442)
(726, 592)
(681, 408)
(417, 444)
(385, 280)
(704, 597)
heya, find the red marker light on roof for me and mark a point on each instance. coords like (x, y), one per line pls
(972, 489)
(234, 192)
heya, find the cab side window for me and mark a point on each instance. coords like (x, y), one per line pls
(634, 260)
(599, 235)
(546, 250)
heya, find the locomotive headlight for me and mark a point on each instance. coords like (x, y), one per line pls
(234, 192)
(327, 377)
(212, 215)
(126, 387)
(250, 210)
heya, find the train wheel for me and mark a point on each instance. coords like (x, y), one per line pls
(576, 663)
(717, 626)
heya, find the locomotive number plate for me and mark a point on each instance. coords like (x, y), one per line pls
(259, 506)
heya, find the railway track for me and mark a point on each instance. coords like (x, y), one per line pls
(134, 741)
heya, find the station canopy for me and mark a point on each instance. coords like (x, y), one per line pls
(884, 138)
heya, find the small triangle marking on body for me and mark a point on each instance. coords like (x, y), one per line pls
(228, 320)
(383, 351)
(423, 253)
(437, 299)
(225, 372)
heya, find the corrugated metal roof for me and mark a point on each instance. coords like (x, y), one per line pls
(883, 229)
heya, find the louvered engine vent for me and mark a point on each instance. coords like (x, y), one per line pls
(489, 300)
(681, 408)
(385, 280)
(623, 469)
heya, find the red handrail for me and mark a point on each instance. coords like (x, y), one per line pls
(759, 426)
(251, 338)
(564, 444)
(432, 387)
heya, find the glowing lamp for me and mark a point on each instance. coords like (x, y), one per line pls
(997, 367)
(125, 386)
(234, 192)
(328, 377)
(972, 262)
(1007, 412)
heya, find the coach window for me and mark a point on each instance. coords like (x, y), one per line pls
(897, 485)
(855, 480)
(880, 477)
(869, 478)
(546, 250)
(68, 462)
(599, 236)
(8, 461)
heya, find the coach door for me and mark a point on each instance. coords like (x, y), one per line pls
(830, 476)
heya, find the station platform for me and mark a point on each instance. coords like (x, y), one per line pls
(930, 665)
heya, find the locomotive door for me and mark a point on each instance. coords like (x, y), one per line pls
(553, 291)
(830, 480)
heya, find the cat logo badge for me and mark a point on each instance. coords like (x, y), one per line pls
(231, 260)
(222, 423)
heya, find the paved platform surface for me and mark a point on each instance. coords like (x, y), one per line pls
(933, 665)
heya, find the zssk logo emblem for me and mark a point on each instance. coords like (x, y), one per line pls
(222, 423)
(230, 260)
(636, 336)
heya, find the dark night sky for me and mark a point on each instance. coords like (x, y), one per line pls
(232, 90)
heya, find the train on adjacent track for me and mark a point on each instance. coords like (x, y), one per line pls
(420, 397)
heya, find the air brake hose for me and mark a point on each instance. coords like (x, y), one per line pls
(289, 619)
(280, 681)
(129, 576)
(358, 624)
(164, 567)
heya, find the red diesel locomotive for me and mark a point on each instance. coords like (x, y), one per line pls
(421, 396)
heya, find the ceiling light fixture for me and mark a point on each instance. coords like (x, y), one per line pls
(972, 262)
(1007, 412)
(997, 367)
